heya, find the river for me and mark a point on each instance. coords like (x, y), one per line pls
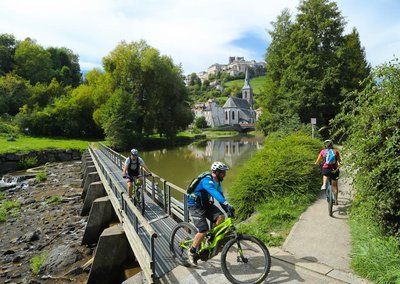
(181, 164)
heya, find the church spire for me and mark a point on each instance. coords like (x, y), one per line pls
(247, 90)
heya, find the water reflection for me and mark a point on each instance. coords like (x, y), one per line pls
(180, 165)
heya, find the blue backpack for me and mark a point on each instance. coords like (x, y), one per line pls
(330, 157)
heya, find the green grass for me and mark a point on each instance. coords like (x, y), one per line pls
(274, 219)
(54, 200)
(27, 143)
(374, 256)
(257, 83)
(8, 208)
(41, 176)
(37, 262)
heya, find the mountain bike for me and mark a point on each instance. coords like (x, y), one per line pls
(330, 196)
(244, 258)
(138, 194)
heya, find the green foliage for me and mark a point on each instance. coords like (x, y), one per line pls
(41, 176)
(285, 166)
(27, 162)
(201, 122)
(374, 255)
(37, 262)
(309, 63)
(8, 208)
(54, 200)
(370, 121)
(33, 62)
(274, 219)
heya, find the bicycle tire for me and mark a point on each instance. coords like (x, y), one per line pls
(181, 232)
(256, 262)
(330, 200)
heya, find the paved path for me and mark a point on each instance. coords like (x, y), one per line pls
(317, 250)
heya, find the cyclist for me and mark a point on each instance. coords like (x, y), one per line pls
(132, 169)
(202, 208)
(329, 170)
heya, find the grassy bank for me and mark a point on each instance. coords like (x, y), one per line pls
(272, 190)
(27, 143)
(374, 256)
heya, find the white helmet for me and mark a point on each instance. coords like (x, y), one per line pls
(219, 166)
(134, 152)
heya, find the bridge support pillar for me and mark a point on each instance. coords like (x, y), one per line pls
(95, 190)
(111, 252)
(91, 177)
(100, 216)
(87, 170)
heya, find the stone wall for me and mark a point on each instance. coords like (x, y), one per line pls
(14, 161)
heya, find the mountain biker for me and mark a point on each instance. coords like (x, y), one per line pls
(329, 170)
(201, 208)
(132, 169)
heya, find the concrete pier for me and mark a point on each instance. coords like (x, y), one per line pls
(95, 190)
(100, 216)
(111, 253)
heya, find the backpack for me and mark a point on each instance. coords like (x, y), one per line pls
(192, 186)
(330, 157)
(137, 166)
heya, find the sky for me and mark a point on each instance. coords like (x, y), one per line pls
(194, 33)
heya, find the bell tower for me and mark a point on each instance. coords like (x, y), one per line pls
(247, 90)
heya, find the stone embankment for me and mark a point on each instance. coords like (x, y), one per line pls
(16, 161)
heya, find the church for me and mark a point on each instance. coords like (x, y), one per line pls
(234, 111)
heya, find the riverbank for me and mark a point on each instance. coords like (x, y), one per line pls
(48, 222)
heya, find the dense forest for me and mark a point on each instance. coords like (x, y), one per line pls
(139, 93)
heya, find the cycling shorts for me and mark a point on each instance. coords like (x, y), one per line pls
(332, 173)
(200, 215)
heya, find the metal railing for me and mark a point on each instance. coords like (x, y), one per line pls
(130, 218)
(157, 188)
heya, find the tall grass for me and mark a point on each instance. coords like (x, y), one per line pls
(374, 255)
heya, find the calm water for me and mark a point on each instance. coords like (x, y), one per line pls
(181, 164)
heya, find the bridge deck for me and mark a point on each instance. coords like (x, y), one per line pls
(161, 222)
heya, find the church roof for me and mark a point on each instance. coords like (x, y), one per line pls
(234, 102)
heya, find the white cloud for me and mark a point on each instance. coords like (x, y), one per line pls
(196, 33)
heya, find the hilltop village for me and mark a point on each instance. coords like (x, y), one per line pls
(235, 111)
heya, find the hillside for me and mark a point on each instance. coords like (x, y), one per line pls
(256, 82)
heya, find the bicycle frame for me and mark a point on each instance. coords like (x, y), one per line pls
(216, 234)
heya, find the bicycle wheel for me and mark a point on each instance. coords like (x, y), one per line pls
(245, 259)
(330, 199)
(180, 241)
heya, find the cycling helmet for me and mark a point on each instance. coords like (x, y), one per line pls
(328, 143)
(219, 166)
(134, 152)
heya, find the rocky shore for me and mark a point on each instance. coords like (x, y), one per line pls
(48, 223)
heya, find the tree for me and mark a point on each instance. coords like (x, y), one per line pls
(65, 65)
(154, 85)
(370, 120)
(13, 93)
(7, 50)
(33, 62)
(306, 65)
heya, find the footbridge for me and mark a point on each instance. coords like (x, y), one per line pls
(106, 202)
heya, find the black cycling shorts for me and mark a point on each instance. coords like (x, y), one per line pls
(201, 214)
(332, 173)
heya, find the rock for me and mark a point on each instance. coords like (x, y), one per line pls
(60, 258)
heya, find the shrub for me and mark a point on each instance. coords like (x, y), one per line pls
(27, 162)
(55, 199)
(285, 166)
(9, 208)
(41, 176)
(37, 262)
